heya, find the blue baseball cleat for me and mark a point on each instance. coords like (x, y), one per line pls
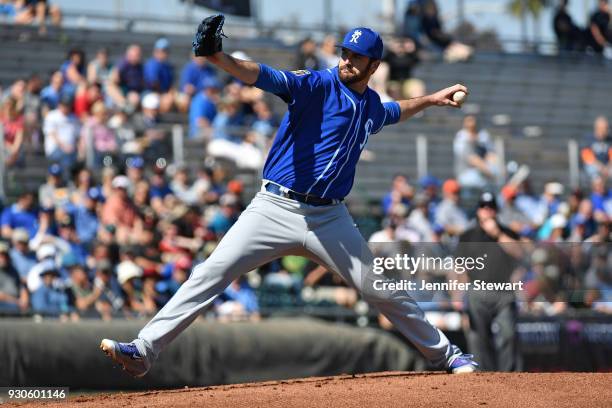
(461, 364)
(127, 355)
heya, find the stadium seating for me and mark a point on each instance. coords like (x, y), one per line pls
(557, 98)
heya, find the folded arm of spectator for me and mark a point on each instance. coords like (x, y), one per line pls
(315, 276)
(74, 76)
(113, 88)
(598, 35)
(85, 302)
(481, 164)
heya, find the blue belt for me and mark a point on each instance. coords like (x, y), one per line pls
(294, 195)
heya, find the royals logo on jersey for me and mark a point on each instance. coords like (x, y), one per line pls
(368, 131)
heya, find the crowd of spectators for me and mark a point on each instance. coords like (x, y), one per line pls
(99, 112)
(24, 12)
(392, 80)
(114, 231)
(595, 37)
(122, 245)
(423, 25)
(564, 236)
(118, 246)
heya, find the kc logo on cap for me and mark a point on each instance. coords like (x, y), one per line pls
(355, 37)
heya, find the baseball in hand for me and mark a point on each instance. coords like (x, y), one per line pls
(459, 97)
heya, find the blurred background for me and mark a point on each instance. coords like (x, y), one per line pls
(125, 160)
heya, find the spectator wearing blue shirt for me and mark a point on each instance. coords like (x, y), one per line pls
(51, 94)
(430, 186)
(584, 217)
(73, 70)
(265, 123)
(135, 172)
(67, 233)
(110, 301)
(203, 110)
(401, 193)
(174, 275)
(21, 257)
(238, 302)
(159, 75)
(599, 196)
(86, 217)
(551, 198)
(193, 77)
(226, 216)
(158, 190)
(528, 203)
(20, 215)
(13, 296)
(7, 10)
(229, 122)
(49, 300)
(159, 186)
(126, 81)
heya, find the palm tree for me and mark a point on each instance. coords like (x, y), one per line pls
(520, 9)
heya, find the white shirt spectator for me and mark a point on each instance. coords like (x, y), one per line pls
(66, 128)
(462, 137)
(417, 221)
(34, 281)
(463, 148)
(466, 148)
(449, 214)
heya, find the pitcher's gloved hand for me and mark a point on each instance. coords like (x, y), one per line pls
(208, 38)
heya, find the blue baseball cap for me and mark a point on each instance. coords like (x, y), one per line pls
(55, 169)
(429, 181)
(364, 41)
(162, 44)
(135, 162)
(95, 193)
(210, 82)
(69, 260)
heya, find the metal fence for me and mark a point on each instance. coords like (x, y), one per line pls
(573, 156)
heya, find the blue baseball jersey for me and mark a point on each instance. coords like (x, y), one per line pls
(326, 127)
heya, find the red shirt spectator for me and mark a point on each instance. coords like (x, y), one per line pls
(85, 98)
(13, 125)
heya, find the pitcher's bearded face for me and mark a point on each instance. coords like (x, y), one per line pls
(353, 67)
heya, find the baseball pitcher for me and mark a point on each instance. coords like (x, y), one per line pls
(299, 210)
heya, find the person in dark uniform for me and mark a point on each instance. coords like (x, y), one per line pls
(492, 314)
(598, 31)
(569, 35)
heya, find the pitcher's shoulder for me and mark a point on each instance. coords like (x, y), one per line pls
(314, 78)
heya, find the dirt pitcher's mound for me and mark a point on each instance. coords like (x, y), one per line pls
(381, 390)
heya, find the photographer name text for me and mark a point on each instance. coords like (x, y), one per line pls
(450, 285)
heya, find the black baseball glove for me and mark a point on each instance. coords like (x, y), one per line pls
(207, 39)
